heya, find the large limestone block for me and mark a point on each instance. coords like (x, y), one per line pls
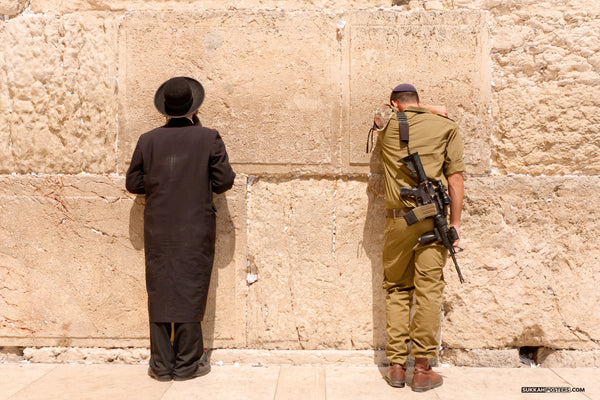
(294, 262)
(32, 303)
(445, 55)
(191, 5)
(547, 89)
(530, 264)
(72, 266)
(58, 94)
(359, 226)
(224, 323)
(553, 140)
(314, 246)
(271, 81)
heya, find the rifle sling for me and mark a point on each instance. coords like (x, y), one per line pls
(420, 213)
(403, 126)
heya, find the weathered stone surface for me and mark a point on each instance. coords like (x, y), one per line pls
(443, 54)
(225, 319)
(485, 358)
(522, 140)
(57, 92)
(327, 267)
(359, 226)
(86, 355)
(295, 265)
(532, 250)
(72, 263)
(271, 79)
(550, 358)
(6, 158)
(69, 266)
(12, 7)
(187, 5)
(547, 86)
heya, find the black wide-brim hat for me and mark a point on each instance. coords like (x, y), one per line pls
(179, 97)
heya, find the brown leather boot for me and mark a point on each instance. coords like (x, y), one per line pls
(396, 374)
(424, 378)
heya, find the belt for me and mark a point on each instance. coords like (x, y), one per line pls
(396, 212)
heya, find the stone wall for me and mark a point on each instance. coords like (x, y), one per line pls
(292, 85)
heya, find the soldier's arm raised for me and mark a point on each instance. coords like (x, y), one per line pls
(440, 110)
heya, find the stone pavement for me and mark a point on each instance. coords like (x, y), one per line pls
(24, 381)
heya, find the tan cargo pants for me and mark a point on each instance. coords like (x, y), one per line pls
(410, 268)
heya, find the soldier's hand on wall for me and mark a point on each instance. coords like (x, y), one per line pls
(437, 109)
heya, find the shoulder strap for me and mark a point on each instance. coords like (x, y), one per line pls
(403, 128)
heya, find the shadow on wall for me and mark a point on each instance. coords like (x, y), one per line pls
(372, 244)
(224, 250)
(136, 222)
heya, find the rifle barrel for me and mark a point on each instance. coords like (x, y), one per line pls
(462, 280)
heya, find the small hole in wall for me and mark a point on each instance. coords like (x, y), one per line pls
(529, 355)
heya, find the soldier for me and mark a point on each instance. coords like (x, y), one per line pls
(409, 267)
(178, 167)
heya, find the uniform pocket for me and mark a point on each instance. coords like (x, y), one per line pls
(393, 225)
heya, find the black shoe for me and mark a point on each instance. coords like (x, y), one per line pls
(202, 369)
(161, 378)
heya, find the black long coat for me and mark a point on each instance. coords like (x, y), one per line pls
(178, 167)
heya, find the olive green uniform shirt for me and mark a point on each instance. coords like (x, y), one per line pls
(438, 143)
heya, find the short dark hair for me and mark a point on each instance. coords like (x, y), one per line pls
(404, 97)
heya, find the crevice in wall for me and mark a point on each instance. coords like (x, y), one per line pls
(333, 228)
(288, 229)
(529, 355)
(15, 324)
(494, 158)
(116, 80)
(251, 269)
(11, 353)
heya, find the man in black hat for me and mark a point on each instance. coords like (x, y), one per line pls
(412, 270)
(178, 167)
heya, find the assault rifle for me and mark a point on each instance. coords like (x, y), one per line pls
(432, 200)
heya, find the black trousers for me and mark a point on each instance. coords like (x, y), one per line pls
(180, 357)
